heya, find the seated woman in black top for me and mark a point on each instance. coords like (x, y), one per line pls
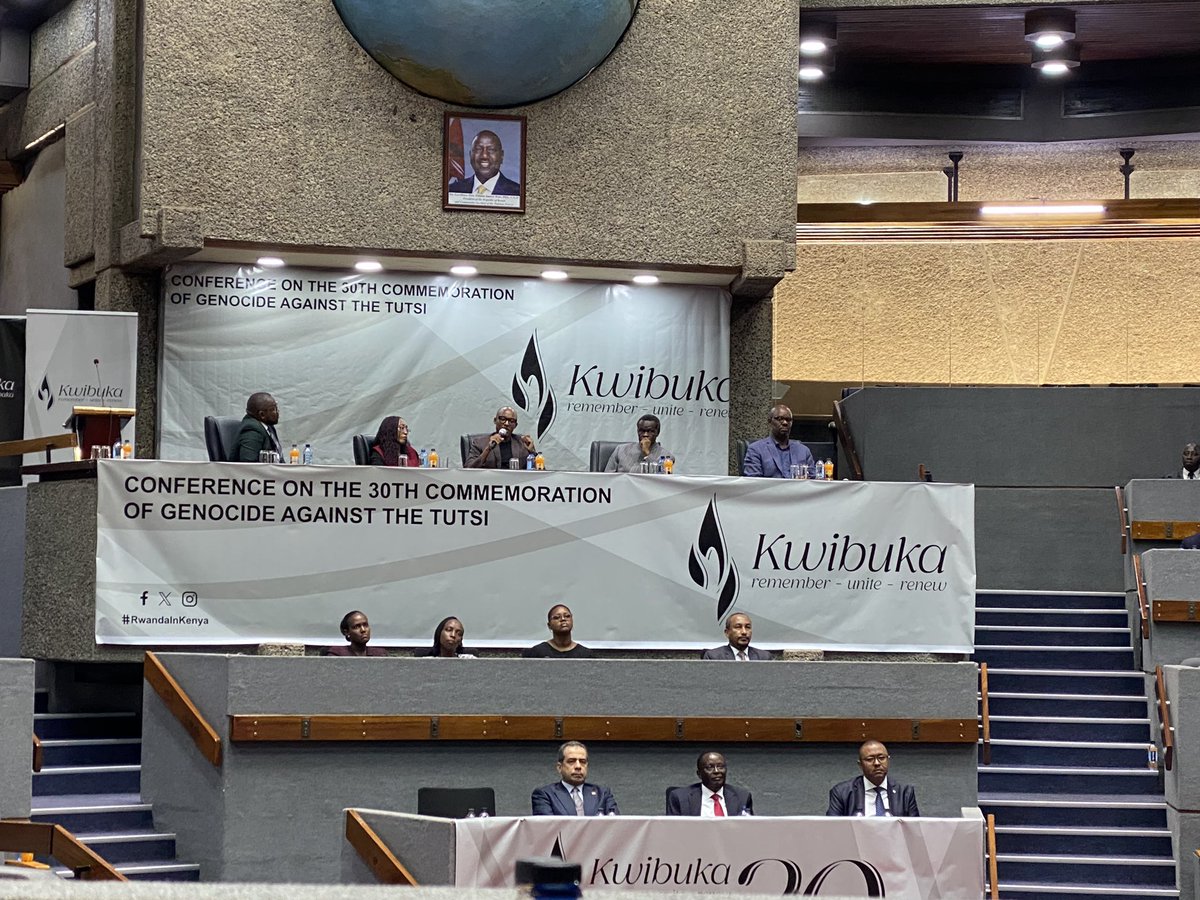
(391, 445)
(357, 630)
(560, 645)
(447, 640)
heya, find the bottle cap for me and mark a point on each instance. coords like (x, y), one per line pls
(547, 870)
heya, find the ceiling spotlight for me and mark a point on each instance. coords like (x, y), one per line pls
(1049, 28)
(270, 262)
(817, 37)
(1057, 61)
(463, 271)
(645, 279)
(368, 265)
(811, 72)
(555, 275)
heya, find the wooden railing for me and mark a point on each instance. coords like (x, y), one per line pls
(45, 839)
(1123, 514)
(37, 445)
(846, 439)
(372, 851)
(1164, 719)
(180, 705)
(37, 754)
(1143, 605)
(983, 711)
(993, 868)
(638, 729)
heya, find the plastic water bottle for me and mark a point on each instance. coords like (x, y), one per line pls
(116, 449)
(433, 458)
(539, 461)
(820, 473)
(307, 456)
(471, 813)
(127, 449)
(829, 469)
(483, 813)
(668, 466)
(1152, 757)
(529, 462)
(662, 465)
(424, 458)
(294, 456)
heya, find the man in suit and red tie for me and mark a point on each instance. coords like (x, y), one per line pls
(872, 794)
(712, 797)
(573, 795)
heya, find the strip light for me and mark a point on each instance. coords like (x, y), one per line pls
(1046, 209)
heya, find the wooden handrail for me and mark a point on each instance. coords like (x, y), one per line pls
(180, 705)
(1164, 719)
(1143, 605)
(52, 840)
(374, 852)
(1123, 515)
(37, 445)
(37, 754)
(993, 867)
(640, 729)
(846, 439)
(983, 707)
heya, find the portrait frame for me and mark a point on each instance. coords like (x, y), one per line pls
(459, 133)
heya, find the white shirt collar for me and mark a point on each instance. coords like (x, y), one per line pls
(490, 184)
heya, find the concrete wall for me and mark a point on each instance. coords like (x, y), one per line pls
(12, 568)
(16, 737)
(1182, 782)
(32, 224)
(274, 811)
(1171, 575)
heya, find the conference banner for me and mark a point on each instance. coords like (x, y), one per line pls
(76, 358)
(12, 393)
(225, 553)
(805, 856)
(578, 362)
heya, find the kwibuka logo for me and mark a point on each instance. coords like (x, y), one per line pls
(710, 542)
(540, 407)
(45, 393)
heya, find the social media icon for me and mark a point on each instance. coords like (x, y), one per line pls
(164, 598)
(145, 596)
(189, 598)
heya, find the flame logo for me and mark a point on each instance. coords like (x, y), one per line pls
(711, 540)
(44, 392)
(532, 372)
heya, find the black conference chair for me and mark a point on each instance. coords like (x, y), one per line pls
(600, 453)
(361, 444)
(667, 798)
(453, 803)
(464, 444)
(741, 447)
(220, 437)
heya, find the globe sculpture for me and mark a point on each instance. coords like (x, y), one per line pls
(488, 53)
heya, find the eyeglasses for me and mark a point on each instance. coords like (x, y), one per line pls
(874, 759)
(506, 419)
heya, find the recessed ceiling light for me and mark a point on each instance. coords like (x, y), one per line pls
(1049, 28)
(270, 262)
(1055, 68)
(1049, 41)
(816, 36)
(555, 275)
(463, 271)
(369, 265)
(813, 47)
(1057, 60)
(645, 279)
(809, 72)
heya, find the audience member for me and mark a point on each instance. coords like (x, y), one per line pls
(1191, 462)
(1190, 543)
(357, 630)
(391, 446)
(738, 628)
(711, 797)
(496, 450)
(872, 794)
(447, 640)
(258, 428)
(774, 456)
(628, 457)
(560, 645)
(573, 794)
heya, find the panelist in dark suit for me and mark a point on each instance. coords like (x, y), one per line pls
(487, 156)
(738, 628)
(774, 456)
(573, 794)
(496, 449)
(357, 630)
(1191, 463)
(886, 798)
(711, 797)
(258, 428)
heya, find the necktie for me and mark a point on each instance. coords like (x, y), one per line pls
(879, 810)
(718, 810)
(482, 189)
(742, 656)
(577, 796)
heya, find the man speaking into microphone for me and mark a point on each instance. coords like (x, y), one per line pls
(496, 450)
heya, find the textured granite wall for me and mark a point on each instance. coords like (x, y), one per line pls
(274, 811)
(16, 737)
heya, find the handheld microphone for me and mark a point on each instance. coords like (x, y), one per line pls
(502, 431)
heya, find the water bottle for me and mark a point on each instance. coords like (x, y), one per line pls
(471, 813)
(116, 449)
(483, 813)
(662, 465)
(1152, 757)
(307, 456)
(127, 449)
(433, 458)
(539, 461)
(829, 469)
(529, 462)
(424, 458)
(820, 473)
(668, 464)
(294, 456)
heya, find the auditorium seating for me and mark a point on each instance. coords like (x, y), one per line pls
(220, 437)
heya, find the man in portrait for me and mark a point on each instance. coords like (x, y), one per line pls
(487, 156)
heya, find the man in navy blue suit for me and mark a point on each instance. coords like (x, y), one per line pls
(711, 797)
(774, 456)
(872, 794)
(487, 156)
(573, 794)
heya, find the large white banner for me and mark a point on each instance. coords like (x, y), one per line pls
(75, 358)
(579, 362)
(219, 553)
(812, 857)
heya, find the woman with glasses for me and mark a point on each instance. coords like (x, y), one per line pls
(560, 645)
(391, 446)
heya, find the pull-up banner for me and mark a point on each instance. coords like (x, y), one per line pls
(12, 393)
(228, 553)
(577, 362)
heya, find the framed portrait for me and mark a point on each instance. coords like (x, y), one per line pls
(483, 162)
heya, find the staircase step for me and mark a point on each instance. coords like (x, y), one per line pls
(91, 751)
(999, 616)
(117, 779)
(87, 725)
(151, 871)
(1019, 891)
(1059, 780)
(1056, 636)
(1019, 656)
(1003, 703)
(1048, 599)
(131, 846)
(1098, 810)
(1091, 754)
(1097, 871)
(1057, 681)
(1069, 728)
(1091, 841)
